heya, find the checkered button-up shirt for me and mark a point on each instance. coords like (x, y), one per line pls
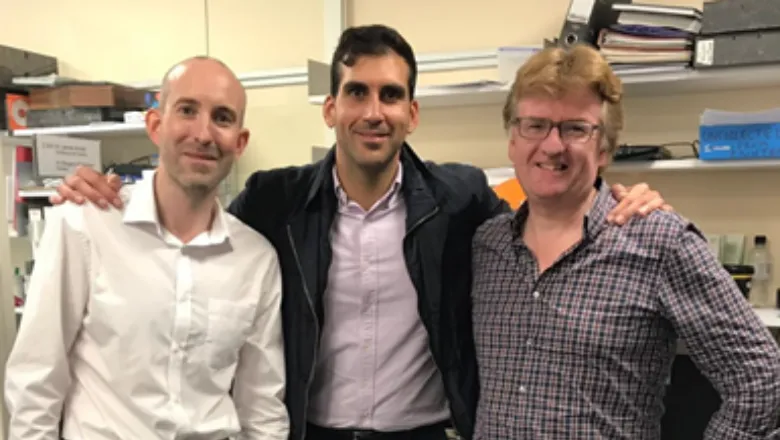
(583, 350)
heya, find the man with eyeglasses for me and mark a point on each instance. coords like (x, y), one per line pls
(576, 320)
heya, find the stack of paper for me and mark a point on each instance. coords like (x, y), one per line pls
(649, 35)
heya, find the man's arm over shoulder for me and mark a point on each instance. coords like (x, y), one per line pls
(38, 371)
(267, 192)
(473, 181)
(260, 377)
(726, 339)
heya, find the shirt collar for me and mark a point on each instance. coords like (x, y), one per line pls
(141, 208)
(341, 195)
(595, 220)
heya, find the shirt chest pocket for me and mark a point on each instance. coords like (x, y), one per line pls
(603, 330)
(229, 326)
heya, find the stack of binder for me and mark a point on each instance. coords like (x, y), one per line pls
(649, 37)
(738, 33)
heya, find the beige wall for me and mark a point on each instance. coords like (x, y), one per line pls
(94, 39)
(137, 41)
(253, 35)
(719, 202)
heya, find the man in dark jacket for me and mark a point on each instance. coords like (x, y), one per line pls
(375, 250)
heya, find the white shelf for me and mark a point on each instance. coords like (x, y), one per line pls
(770, 317)
(691, 165)
(498, 175)
(92, 130)
(37, 193)
(442, 96)
(635, 84)
(6, 140)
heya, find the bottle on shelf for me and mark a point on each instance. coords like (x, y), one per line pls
(761, 260)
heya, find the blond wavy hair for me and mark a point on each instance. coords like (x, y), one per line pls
(555, 71)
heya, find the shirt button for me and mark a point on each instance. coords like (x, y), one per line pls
(536, 295)
(529, 342)
(522, 388)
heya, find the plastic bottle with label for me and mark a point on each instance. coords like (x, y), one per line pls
(761, 260)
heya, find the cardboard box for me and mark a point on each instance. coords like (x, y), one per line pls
(88, 95)
(739, 135)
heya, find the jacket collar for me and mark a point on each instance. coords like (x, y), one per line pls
(414, 186)
(322, 178)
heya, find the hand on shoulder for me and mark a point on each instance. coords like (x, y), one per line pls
(638, 199)
(87, 184)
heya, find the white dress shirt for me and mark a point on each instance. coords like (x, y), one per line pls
(375, 368)
(129, 334)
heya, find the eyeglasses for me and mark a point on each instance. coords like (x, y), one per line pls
(571, 132)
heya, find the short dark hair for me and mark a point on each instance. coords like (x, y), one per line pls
(371, 40)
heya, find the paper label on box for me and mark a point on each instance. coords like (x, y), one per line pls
(740, 141)
(58, 156)
(705, 52)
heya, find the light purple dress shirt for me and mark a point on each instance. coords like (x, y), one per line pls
(375, 368)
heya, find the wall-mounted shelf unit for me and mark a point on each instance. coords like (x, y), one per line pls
(102, 129)
(126, 134)
(635, 84)
(450, 96)
(691, 165)
(498, 175)
(36, 193)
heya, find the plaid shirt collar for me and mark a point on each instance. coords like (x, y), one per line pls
(594, 221)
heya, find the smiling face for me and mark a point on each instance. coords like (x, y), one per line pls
(563, 163)
(199, 128)
(372, 113)
(564, 114)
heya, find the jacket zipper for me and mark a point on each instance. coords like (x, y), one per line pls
(316, 329)
(415, 226)
(421, 221)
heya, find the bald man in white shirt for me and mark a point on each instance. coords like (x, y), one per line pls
(139, 321)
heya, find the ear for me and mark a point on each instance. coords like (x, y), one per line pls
(153, 121)
(329, 111)
(242, 141)
(414, 111)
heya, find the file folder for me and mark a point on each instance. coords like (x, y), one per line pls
(584, 20)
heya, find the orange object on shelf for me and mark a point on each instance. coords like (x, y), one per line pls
(512, 192)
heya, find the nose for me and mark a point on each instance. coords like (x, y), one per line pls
(552, 144)
(203, 130)
(372, 111)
